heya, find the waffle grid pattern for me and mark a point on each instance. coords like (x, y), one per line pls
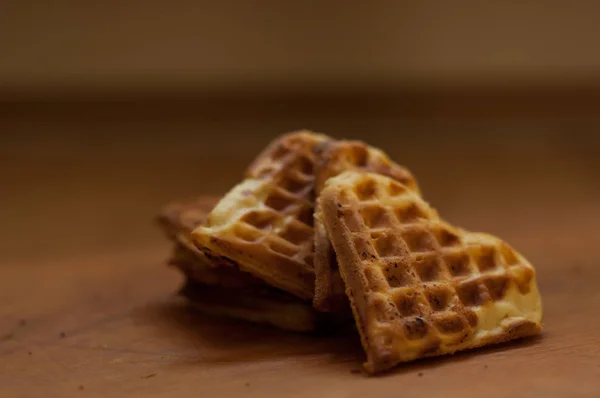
(423, 278)
(270, 231)
(225, 291)
(283, 222)
(334, 158)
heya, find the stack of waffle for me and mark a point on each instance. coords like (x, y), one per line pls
(321, 228)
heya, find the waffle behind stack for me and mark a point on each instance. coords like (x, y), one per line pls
(224, 290)
(265, 224)
(336, 157)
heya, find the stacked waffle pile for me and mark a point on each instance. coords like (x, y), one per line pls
(323, 229)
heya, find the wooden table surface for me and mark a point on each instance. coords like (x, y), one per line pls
(87, 307)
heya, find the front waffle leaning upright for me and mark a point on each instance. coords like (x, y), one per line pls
(334, 158)
(419, 286)
(264, 225)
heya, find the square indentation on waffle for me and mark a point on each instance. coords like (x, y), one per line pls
(248, 233)
(381, 310)
(522, 276)
(429, 267)
(472, 293)
(298, 178)
(416, 328)
(262, 220)
(410, 302)
(281, 200)
(399, 274)
(281, 246)
(458, 263)
(286, 204)
(497, 286)
(290, 154)
(410, 213)
(295, 184)
(387, 245)
(446, 237)
(368, 190)
(486, 258)
(395, 189)
(304, 167)
(449, 323)
(439, 297)
(376, 216)
(508, 254)
(419, 240)
(296, 232)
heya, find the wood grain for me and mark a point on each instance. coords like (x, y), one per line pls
(87, 306)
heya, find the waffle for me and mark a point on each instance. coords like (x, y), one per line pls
(226, 291)
(335, 157)
(193, 267)
(417, 285)
(265, 224)
(178, 220)
(265, 306)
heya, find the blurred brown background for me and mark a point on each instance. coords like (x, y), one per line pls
(303, 45)
(110, 109)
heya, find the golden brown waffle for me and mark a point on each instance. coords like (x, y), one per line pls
(419, 286)
(178, 220)
(265, 224)
(335, 157)
(226, 291)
